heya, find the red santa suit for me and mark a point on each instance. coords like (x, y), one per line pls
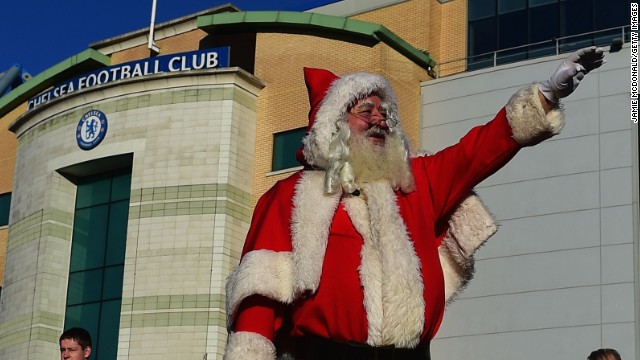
(378, 267)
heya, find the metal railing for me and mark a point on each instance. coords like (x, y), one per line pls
(549, 47)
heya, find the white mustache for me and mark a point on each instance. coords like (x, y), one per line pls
(376, 131)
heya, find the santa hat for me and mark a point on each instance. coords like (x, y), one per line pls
(330, 98)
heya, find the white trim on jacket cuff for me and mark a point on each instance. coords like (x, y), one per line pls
(528, 121)
(261, 272)
(470, 226)
(243, 345)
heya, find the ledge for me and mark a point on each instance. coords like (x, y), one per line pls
(83, 62)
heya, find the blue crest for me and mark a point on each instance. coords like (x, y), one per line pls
(91, 129)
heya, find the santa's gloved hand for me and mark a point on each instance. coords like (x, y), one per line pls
(568, 75)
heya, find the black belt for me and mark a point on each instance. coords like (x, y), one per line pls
(322, 349)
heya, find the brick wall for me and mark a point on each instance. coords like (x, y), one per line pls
(8, 146)
(440, 29)
(187, 41)
(450, 41)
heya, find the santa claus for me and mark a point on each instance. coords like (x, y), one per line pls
(356, 255)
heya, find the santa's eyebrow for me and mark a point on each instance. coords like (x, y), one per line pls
(365, 104)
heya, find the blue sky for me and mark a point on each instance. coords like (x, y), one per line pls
(38, 34)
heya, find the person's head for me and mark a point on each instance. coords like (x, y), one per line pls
(75, 344)
(604, 354)
(368, 117)
(353, 131)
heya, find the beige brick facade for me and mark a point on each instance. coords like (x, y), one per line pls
(192, 150)
(449, 44)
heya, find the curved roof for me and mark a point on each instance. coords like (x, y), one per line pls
(83, 62)
(318, 24)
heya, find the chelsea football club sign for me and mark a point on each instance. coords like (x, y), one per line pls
(193, 60)
(91, 129)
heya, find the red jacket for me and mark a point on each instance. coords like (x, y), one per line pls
(377, 271)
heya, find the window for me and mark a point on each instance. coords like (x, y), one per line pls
(542, 33)
(576, 18)
(94, 294)
(512, 32)
(285, 146)
(496, 25)
(5, 205)
(608, 17)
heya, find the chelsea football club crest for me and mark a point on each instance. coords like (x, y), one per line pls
(92, 128)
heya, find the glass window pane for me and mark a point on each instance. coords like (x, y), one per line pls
(100, 229)
(117, 235)
(575, 19)
(5, 205)
(112, 287)
(547, 29)
(512, 33)
(84, 287)
(89, 237)
(610, 14)
(285, 146)
(544, 31)
(480, 9)
(109, 327)
(93, 193)
(121, 187)
(482, 41)
(512, 29)
(86, 316)
(505, 6)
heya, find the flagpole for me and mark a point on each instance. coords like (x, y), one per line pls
(152, 45)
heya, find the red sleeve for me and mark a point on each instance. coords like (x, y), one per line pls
(453, 172)
(269, 230)
(260, 315)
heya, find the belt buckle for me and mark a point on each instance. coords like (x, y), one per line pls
(379, 352)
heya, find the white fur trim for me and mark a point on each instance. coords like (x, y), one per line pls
(528, 121)
(370, 269)
(343, 93)
(470, 227)
(262, 272)
(244, 345)
(403, 304)
(312, 215)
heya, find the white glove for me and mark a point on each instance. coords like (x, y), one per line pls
(568, 75)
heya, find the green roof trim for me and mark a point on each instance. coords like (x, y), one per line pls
(273, 21)
(85, 61)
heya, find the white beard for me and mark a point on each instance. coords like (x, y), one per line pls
(372, 162)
